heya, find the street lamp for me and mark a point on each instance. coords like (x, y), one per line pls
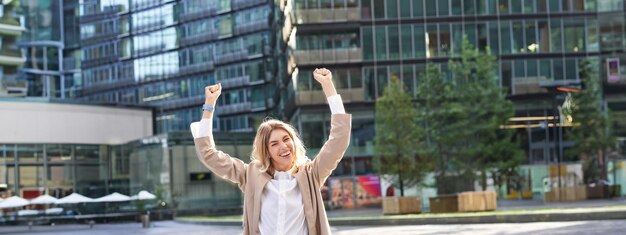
(556, 87)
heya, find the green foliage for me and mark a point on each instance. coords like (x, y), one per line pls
(592, 127)
(396, 141)
(462, 118)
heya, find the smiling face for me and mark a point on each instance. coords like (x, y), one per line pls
(281, 149)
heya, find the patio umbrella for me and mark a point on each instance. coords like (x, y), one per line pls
(143, 195)
(113, 197)
(73, 199)
(44, 199)
(14, 201)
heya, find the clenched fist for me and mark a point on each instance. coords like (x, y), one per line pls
(323, 76)
(211, 94)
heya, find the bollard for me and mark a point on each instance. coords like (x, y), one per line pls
(30, 225)
(91, 224)
(145, 221)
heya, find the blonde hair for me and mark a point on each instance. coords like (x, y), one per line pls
(260, 146)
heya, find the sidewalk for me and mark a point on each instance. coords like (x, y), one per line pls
(509, 211)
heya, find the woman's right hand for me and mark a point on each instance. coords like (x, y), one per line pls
(211, 94)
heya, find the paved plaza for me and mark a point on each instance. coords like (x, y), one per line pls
(604, 227)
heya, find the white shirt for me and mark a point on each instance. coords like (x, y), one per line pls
(282, 210)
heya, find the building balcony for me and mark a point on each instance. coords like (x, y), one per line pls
(10, 56)
(138, 5)
(149, 49)
(99, 38)
(148, 26)
(10, 26)
(317, 97)
(70, 63)
(196, 68)
(107, 12)
(197, 14)
(251, 27)
(107, 85)
(100, 60)
(10, 86)
(238, 4)
(234, 108)
(528, 85)
(181, 102)
(312, 16)
(328, 56)
(198, 38)
(235, 82)
(231, 56)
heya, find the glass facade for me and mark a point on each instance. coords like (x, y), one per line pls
(163, 54)
(52, 47)
(534, 40)
(11, 58)
(163, 163)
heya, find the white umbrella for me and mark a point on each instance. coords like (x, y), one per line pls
(44, 199)
(14, 201)
(73, 199)
(143, 195)
(113, 197)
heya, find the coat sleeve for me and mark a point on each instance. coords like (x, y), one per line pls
(334, 148)
(220, 163)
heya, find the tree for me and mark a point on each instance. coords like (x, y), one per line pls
(486, 147)
(592, 129)
(462, 117)
(396, 140)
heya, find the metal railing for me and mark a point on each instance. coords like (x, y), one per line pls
(308, 16)
(326, 56)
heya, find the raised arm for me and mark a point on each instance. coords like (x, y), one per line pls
(220, 163)
(339, 139)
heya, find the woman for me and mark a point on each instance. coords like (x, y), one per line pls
(281, 185)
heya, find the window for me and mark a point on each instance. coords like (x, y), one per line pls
(432, 41)
(419, 44)
(503, 7)
(505, 37)
(431, 7)
(557, 69)
(394, 42)
(392, 9)
(405, 8)
(574, 35)
(368, 45)
(407, 46)
(443, 8)
(469, 7)
(379, 9)
(381, 43)
(555, 36)
(418, 8)
(544, 36)
(531, 37)
(455, 6)
(494, 37)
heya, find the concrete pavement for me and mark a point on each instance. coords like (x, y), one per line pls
(509, 211)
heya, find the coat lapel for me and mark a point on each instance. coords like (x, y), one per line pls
(303, 184)
(260, 183)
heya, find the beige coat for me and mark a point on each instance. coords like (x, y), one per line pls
(310, 177)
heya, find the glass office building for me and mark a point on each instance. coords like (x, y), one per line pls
(367, 42)
(11, 58)
(163, 53)
(51, 43)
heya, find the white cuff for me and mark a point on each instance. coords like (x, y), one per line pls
(336, 104)
(202, 128)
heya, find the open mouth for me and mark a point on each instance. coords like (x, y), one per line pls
(285, 155)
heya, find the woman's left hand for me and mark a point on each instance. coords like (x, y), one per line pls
(323, 76)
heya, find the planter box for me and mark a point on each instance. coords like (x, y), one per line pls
(444, 203)
(401, 205)
(477, 201)
(577, 193)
